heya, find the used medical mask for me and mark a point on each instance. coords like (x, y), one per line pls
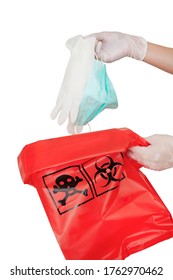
(98, 95)
(86, 89)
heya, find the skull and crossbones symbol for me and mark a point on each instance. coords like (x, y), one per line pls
(67, 184)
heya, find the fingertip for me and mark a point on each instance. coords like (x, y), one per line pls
(79, 128)
(54, 112)
(62, 117)
(73, 114)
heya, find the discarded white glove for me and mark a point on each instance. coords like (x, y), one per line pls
(75, 79)
(111, 46)
(86, 89)
(158, 155)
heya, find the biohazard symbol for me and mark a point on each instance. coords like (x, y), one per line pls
(108, 171)
(67, 184)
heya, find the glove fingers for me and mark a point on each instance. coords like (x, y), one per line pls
(70, 128)
(137, 153)
(79, 128)
(144, 156)
(64, 113)
(56, 110)
(74, 111)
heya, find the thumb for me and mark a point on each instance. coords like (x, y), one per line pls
(98, 49)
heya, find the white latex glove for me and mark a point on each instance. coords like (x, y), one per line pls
(71, 42)
(112, 46)
(75, 78)
(158, 155)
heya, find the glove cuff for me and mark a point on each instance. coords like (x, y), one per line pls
(137, 47)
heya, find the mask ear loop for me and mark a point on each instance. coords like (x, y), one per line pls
(89, 127)
(96, 57)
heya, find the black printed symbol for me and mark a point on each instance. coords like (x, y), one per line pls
(67, 184)
(108, 171)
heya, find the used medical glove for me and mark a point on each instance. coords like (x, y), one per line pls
(86, 89)
(111, 46)
(71, 42)
(75, 79)
(158, 155)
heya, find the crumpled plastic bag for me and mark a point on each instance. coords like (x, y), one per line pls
(99, 204)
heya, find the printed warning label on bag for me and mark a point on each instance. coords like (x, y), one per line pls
(75, 185)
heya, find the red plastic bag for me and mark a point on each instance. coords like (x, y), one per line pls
(99, 204)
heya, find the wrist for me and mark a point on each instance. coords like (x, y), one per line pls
(137, 47)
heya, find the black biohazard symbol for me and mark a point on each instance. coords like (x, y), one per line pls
(108, 171)
(67, 184)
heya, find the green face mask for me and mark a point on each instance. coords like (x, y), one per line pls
(99, 94)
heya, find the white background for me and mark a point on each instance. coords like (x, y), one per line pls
(33, 59)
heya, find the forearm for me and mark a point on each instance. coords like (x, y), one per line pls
(160, 57)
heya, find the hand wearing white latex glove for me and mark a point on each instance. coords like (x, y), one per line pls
(112, 46)
(157, 156)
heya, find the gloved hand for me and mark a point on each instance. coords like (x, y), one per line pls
(158, 155)
(112, 46)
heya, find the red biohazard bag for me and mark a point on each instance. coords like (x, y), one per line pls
(99, 204)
